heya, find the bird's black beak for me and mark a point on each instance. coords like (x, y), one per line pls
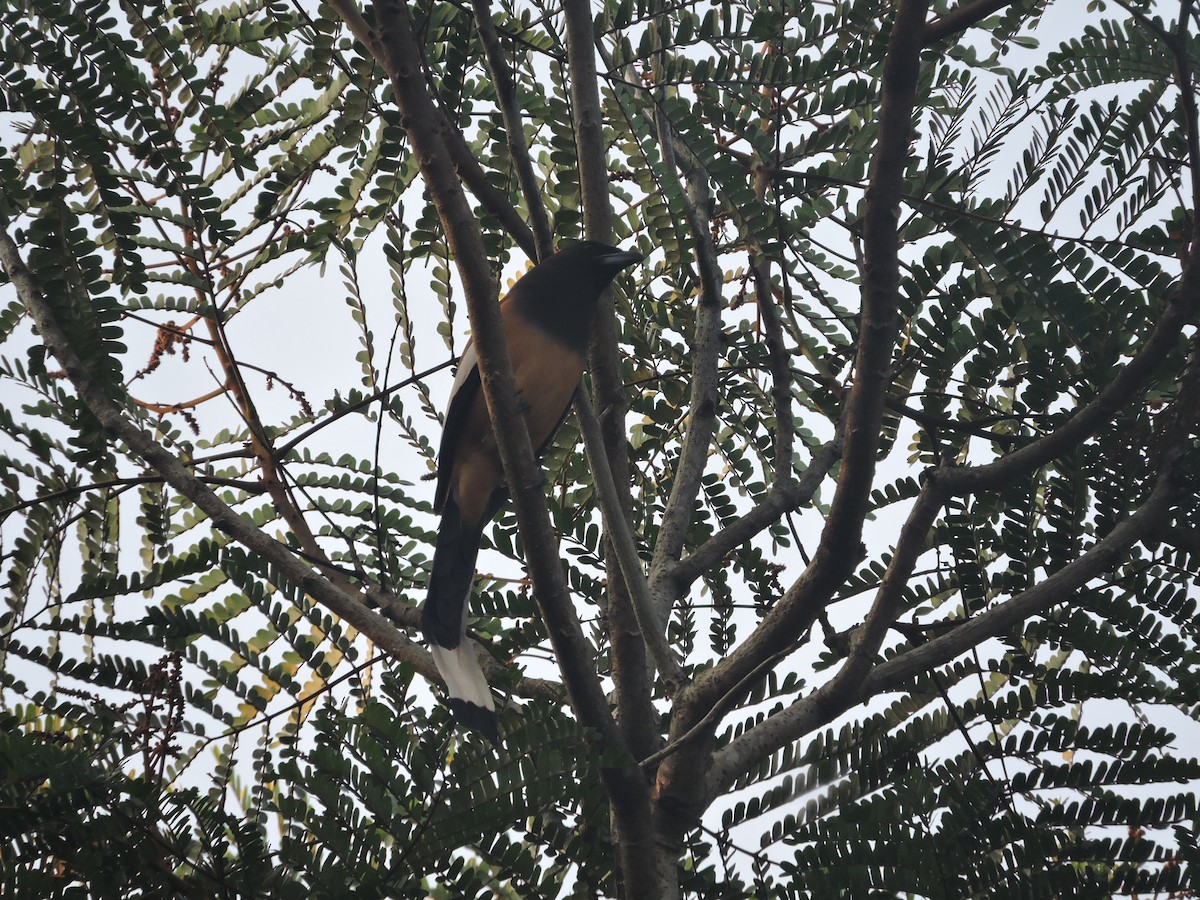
(620, 259)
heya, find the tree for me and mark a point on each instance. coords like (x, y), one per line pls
(867, 561)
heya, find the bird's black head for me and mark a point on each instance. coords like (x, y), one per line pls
(597, 256)
(559, 295)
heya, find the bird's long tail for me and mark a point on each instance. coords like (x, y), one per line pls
(444, 622)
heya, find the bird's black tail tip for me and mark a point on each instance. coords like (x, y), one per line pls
(474, 717)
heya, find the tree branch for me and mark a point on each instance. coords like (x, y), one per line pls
(460, 153)
(362, 403)
(621, 540)
(782, 499)
(961, 18)
(1181, 310)
(1181, 538)
(1178, 43)
(637, 857)
(506, 96)
(115, 423)
(627, 638)
(1038, 599)
(631, 676)
(888, 599)
(401, 61)
(863, 415)
(692, 744)
(827, 703)
(854, 683)
(261, 445)
(705, 350)
(250, 487)
(779, 364)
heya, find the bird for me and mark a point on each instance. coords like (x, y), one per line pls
(547, 317)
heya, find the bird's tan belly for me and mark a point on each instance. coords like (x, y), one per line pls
(546, 382)
(547, 374)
